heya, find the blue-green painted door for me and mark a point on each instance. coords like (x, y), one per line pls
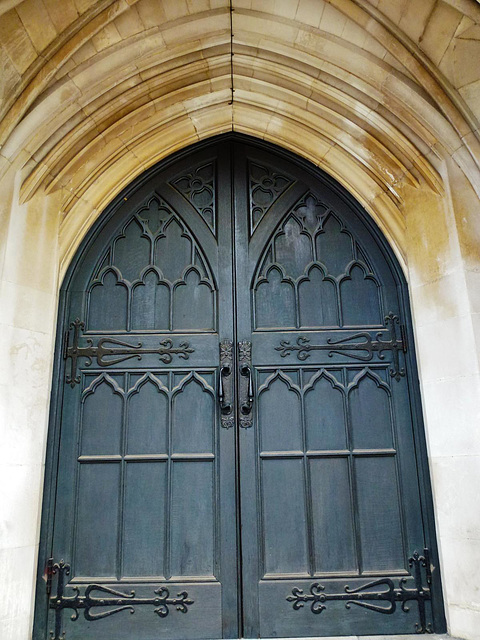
(333, 516)
(145, 512)
(236, 439)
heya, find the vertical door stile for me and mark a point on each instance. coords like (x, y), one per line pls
(352, 482)
(308, 483)
(247, 438)
(168, 493)
(228, 516)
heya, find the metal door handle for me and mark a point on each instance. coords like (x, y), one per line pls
(245, 383)
(225, 406)
(225, 384)
(246, 371)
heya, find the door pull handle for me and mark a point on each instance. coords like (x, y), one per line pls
(225, 384)
(245, 383)
(246, 372)
(225, 406)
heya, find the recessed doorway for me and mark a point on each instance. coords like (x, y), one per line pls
(236, 440)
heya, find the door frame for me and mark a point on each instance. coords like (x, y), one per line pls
(53, 438)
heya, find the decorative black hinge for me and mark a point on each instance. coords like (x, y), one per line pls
(360, 346)
(366, 594)
(117, 600)
(111, 351)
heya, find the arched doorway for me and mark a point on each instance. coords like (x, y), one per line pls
(237, 444)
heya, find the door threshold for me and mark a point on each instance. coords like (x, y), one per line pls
(410, 636)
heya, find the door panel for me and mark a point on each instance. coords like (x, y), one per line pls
(152, 278)
(145, 512)
(268, 492)
(326, 468)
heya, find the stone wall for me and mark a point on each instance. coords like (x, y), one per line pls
(383, 94)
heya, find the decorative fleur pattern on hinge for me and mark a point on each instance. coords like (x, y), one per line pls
(367, 594)
(265, 186)
(360, 346)
(110, 351)
(198, 188)
(107, 597)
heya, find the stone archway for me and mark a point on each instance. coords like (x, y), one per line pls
(369, 93)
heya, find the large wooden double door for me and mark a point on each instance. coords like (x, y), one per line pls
(235, 445)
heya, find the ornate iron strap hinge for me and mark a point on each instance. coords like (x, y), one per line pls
(108, 598)
(360, 346)
(365, 595)
(107, 355)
